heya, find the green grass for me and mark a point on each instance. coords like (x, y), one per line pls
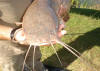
(84, 35)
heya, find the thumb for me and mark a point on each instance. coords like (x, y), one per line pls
(19, 35)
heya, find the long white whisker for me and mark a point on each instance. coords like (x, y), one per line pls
(34, 57)
(92, 68)
(56, 54)
(62, 43)
(73, 49)
(26, 56)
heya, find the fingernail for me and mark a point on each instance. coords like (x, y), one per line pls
(63, 32)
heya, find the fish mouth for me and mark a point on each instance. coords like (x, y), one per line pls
(47, 43)
(43, 43)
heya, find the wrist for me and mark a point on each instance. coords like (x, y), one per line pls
(5, 32)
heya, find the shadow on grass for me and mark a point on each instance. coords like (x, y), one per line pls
(87, 12)
(82, 43)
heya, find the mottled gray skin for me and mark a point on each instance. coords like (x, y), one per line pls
(40, 22)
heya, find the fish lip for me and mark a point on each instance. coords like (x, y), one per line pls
(44, 43)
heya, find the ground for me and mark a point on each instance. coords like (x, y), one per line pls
(83, 34)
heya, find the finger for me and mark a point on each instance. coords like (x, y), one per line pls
(61, 33)
(19, 35)
(61, 25)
